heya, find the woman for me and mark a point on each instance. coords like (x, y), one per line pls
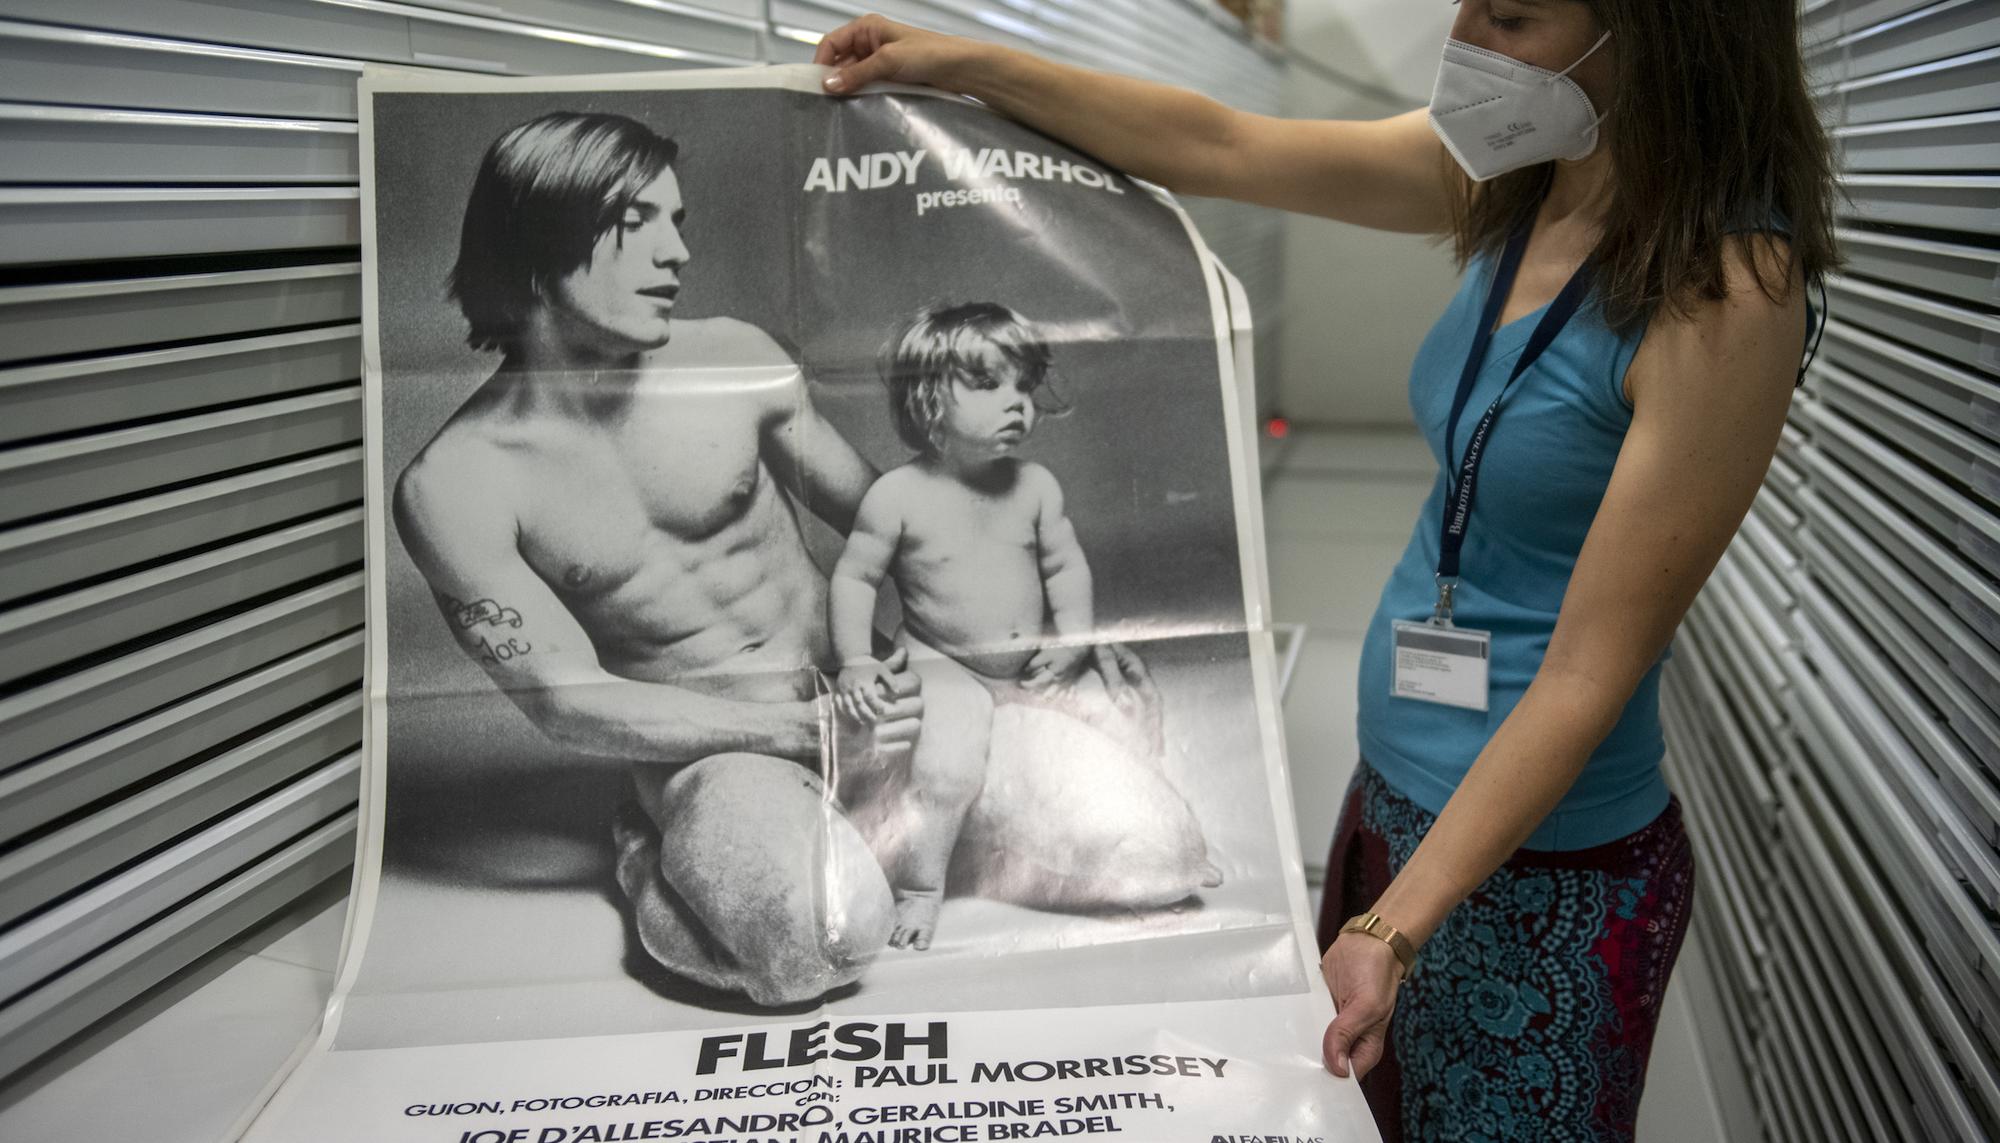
(1639, 192)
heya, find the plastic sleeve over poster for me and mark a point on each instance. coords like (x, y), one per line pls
(820, 682)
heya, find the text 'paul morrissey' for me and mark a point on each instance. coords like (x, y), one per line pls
(895, 1043)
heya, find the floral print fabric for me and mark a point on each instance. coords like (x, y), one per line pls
(1531, 1011)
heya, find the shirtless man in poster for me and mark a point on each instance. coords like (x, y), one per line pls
(608, 525)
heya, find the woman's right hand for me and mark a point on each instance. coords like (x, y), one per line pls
(1363, 975)
(873, 49)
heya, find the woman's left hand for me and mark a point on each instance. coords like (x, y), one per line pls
(1363, 974)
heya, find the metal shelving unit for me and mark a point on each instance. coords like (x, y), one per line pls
(1834, 706)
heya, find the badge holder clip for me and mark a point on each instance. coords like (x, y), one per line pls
(1441, 613)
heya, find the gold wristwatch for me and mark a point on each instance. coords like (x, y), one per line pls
(1383, 931)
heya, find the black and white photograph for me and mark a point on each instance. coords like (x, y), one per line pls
(813, 574)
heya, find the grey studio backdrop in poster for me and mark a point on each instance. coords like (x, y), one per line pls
(557, 937)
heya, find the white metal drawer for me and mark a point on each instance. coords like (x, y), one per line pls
(1930, 966)
(1969, 82)
(76, 224)
(1963, 827)
(43, 63)
(941, 16)
(1962, 605)
(1786, 1118)
(802, 21)
(70, 318)
(1959, 775)
(45, 870)
(1849, 987)
(1825, 1002)
(790, 44)
(1954, 269)
(1939, 202)
(97, 145)
(1943, 143)
(1913, 628)
(1903, 996)
(1867, 602)
(100, 698)
(98, 392)
(1958, 519)
(72, 1002)
(73, 626)
(731, 36)
(1969, 337)
(1821, 20)
(1721, 651)
(1710, 691)
(1804, 1066)
(381, 30)
(51, 787)
(1969, 463)
(1936, 31)
(64, 475)
(52, 941)
(87, 546)
(1961, 396)
(446, 40)
(295, 25)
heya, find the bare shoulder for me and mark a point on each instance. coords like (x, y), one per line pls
(888, 505)
(757, 366)
(458, 480)
(1039, 482)
(721, 341)
(1750, 338)
(898, 486)
(1760, 277)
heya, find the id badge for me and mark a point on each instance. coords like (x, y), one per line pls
(1445, 665)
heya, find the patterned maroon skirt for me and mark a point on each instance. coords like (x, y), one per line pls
(1531, 1011)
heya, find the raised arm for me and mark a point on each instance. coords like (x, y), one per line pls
(1390, 174)
(450, 512)
(1709, 391)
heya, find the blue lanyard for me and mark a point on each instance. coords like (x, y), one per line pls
(1458, 494)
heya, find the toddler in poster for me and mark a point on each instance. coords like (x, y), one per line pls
(986, 564)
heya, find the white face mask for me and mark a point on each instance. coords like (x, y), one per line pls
(1497, 114)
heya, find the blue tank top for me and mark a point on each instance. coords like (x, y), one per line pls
(1546, 468)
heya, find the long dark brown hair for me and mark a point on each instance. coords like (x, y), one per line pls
(545, 192)
(1713, 132)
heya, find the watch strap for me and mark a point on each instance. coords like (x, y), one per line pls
(1381, 930)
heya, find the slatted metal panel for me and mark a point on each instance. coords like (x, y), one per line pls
(1834, 707)
(180, 424)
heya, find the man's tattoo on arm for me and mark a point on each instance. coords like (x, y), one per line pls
(486, 613)
(501, 652)
(470, 615)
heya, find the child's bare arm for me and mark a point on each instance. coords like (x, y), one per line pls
(1065, 572)
(857, 577)
(1065, 583)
